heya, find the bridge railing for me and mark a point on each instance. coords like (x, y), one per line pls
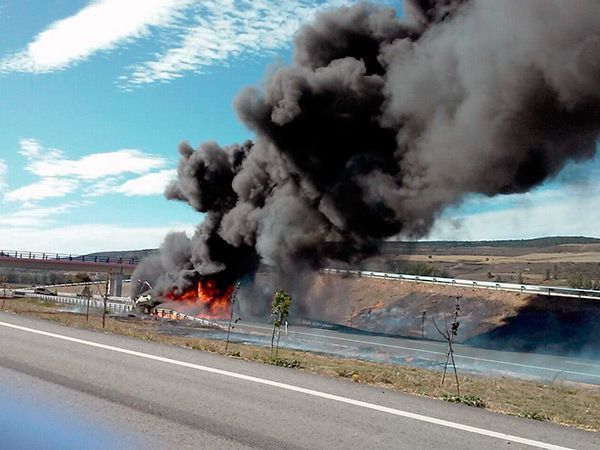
(19, 254)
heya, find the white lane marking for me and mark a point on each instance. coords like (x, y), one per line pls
(290, 387)
(582, 364)
(432, 352)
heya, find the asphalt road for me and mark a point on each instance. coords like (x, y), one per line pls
(429, 354)
(147, 395)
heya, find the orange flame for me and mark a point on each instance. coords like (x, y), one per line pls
(213, 300)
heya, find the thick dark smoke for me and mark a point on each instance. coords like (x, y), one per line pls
(380, 123)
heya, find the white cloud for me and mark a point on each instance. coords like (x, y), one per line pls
(560, 212)
(88, 238)
(45, 188)
(151, 184)
(32, 216)
(3, 172)
(100, 26)
(52, 163)
(98, 174)
(188, 35)
(227, 28)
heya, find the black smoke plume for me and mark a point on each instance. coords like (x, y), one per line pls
(382, 122)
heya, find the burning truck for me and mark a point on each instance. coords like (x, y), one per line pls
(206, 300)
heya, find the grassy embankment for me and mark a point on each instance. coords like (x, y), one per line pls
(568, 404)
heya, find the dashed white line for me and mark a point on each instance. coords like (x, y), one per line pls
(289, 387)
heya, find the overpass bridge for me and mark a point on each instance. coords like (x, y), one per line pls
(115, 268)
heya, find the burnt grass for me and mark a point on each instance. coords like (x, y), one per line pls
(550, 325)
(564, 403)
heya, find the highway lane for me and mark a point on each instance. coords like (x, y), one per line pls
(422, 353)
(180, 398)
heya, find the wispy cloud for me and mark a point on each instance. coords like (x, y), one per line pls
(3, 173)
(43, 189)
(97, 174)
(53, 163)
(223, 29)
(151, 184)
(101, 26)
(188, 35)
(32, 216)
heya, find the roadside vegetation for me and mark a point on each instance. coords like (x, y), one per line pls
(37, 278)
(581, 280)
(568, 404)
(425, 270)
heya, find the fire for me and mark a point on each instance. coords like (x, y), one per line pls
(212, 299)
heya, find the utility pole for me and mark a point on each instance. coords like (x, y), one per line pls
(105, 302)
(231, 305)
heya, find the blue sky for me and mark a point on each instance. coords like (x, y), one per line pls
(96, 96)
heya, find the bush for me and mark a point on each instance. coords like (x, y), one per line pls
(425, 270)
(534, 415)
(469, 400)
(579, 280)
(280, 362)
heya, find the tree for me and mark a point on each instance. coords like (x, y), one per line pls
(280, 308)
(449, 334)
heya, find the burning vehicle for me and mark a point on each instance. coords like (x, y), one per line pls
(206, 299)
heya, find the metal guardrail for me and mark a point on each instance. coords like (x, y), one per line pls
(114, 304)
(64, 257)
(82, 283)
(552, 291)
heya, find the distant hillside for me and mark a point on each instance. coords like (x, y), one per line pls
(398, 246)
(126, 254)
(513, 243)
